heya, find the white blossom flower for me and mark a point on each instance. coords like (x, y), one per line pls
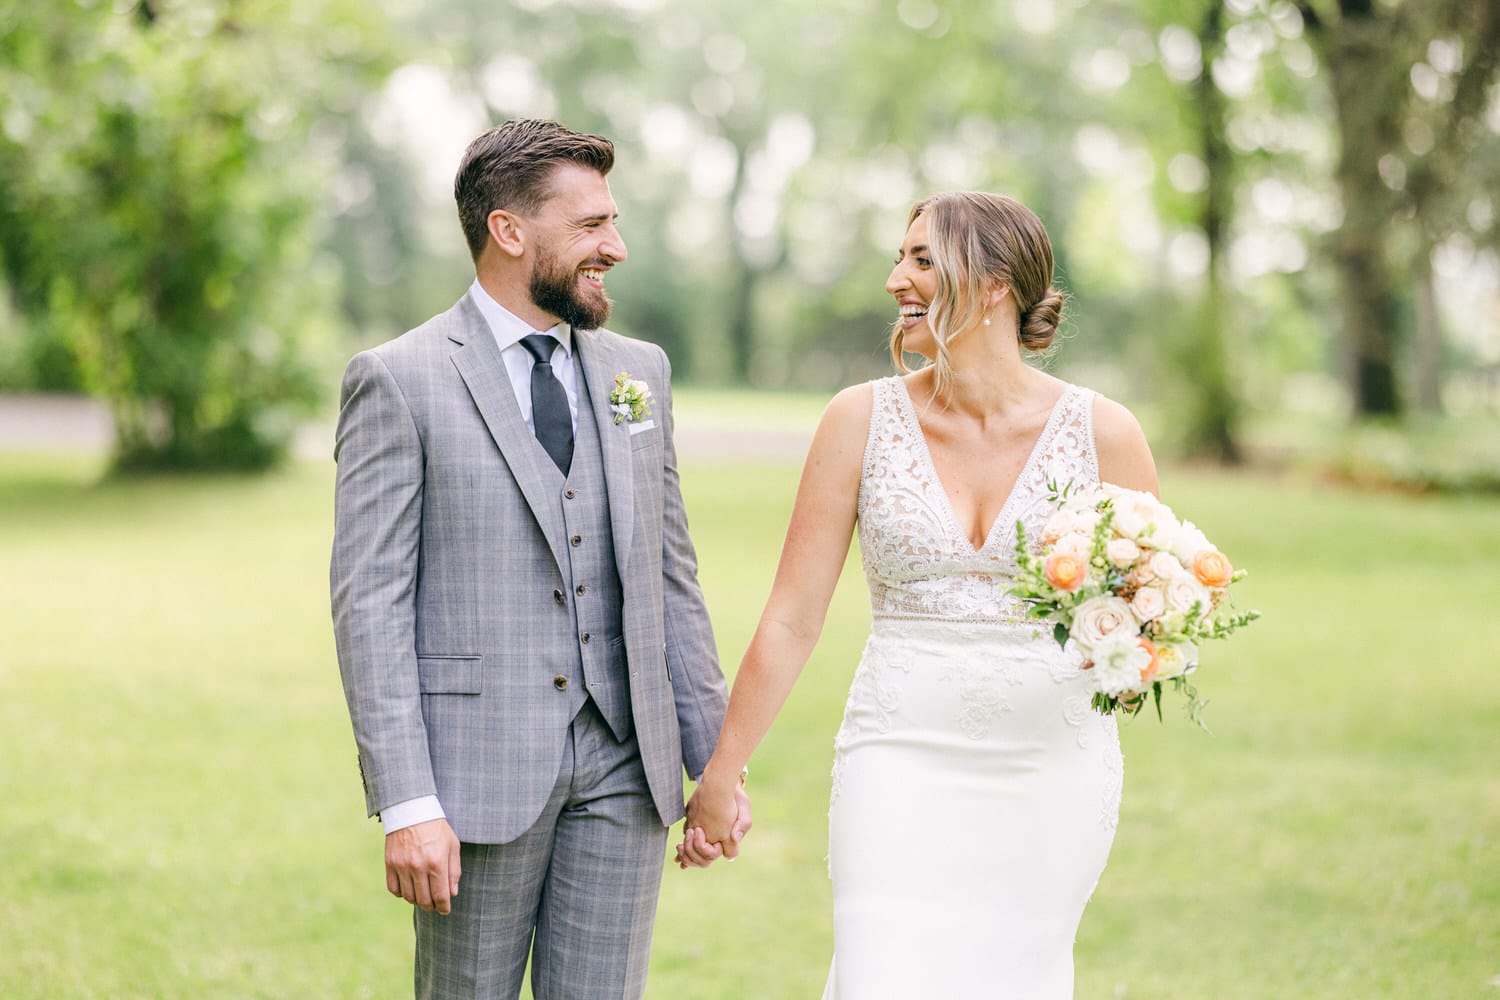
(1189, 542)
(1118, 662)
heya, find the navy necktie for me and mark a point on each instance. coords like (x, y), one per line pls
(550, 415)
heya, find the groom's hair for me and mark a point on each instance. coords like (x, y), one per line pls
(510, 165)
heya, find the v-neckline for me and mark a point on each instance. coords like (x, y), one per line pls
(910, 408)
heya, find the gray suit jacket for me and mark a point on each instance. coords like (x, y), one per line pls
(445, 573)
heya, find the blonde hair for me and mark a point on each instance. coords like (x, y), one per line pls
(977, 240)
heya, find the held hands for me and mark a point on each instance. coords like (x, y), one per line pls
(422, 866)
(717, 820)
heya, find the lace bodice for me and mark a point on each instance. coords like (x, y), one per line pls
(918, 562)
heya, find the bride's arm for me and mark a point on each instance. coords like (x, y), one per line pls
(812, 556)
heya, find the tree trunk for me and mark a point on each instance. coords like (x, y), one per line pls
(1428, 336)
(1367, 104)
(1215, 406)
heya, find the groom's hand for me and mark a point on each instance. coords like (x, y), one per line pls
(421, 865)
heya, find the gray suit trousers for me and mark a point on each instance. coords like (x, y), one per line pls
(586, 876)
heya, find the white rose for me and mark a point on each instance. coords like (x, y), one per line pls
(1068, 522)
(642, 388)
(1098, 618)
(1148, 604)
(1188, 542)
(1059, 524)
(1183, 591)
(1122, 552)
(1138, 514)
(1118, 662)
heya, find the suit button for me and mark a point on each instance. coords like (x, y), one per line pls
(570, 493)
(577, 540)
(557, 596)
(560, 682)
(583, 588)
(584, 638)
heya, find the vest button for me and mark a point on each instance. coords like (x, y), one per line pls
(583, 588)
(584, 638)
(570, 493)
(557, 595)
(577, 540)
(560, 682)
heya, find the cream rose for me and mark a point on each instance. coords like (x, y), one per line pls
(1098, 618)
(1121, 552)
(1148, 604)
(1074, 544)
(1164, 566)
(1068, 522)
(1183, 591)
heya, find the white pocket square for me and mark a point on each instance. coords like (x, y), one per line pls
(644, 425)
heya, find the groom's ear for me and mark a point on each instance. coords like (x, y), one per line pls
(505, 230)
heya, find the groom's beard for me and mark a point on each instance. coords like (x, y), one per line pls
(557, 290)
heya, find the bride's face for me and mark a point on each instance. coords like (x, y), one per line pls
(913, 282)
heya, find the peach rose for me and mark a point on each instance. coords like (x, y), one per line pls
(1065, 571)
(1212, 568)
(1148, 672)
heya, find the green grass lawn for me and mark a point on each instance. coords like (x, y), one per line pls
(180, 814)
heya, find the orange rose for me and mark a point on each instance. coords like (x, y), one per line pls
(1149, 670)
(1065, 571)
(1212, 568)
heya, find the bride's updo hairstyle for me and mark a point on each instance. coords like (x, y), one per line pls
(977, 240)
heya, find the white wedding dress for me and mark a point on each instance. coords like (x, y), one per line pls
(975, 791)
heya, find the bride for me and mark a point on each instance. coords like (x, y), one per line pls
(975, 792)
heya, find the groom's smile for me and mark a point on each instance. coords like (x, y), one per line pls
(575, 243)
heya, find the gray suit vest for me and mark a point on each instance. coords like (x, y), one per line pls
(590, 576)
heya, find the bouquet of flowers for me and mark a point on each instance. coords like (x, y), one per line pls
(1133, 588)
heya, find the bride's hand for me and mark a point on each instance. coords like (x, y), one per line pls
(716, 823)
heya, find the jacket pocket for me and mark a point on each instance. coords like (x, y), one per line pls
(450, 674)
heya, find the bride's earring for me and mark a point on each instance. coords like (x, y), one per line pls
(986, 321)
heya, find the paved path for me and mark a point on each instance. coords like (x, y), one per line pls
(82, 425)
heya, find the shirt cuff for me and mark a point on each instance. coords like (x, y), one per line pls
(410, 813)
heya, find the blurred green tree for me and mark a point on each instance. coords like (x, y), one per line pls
(160, 177)
(1410, 84)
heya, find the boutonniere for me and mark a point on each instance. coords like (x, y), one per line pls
(630, 399)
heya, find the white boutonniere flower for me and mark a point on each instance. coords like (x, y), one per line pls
(630, 399)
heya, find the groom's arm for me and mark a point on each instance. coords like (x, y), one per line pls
(377, 529)
(697, 682)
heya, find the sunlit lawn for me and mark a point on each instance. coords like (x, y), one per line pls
(180, 813)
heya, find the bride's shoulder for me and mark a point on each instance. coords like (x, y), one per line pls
(851, 406)
(1123, 452)
(846, 420)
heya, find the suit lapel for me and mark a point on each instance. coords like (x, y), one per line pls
(483, 370)
(597, 365)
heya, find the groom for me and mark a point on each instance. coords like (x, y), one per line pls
(523, 642)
